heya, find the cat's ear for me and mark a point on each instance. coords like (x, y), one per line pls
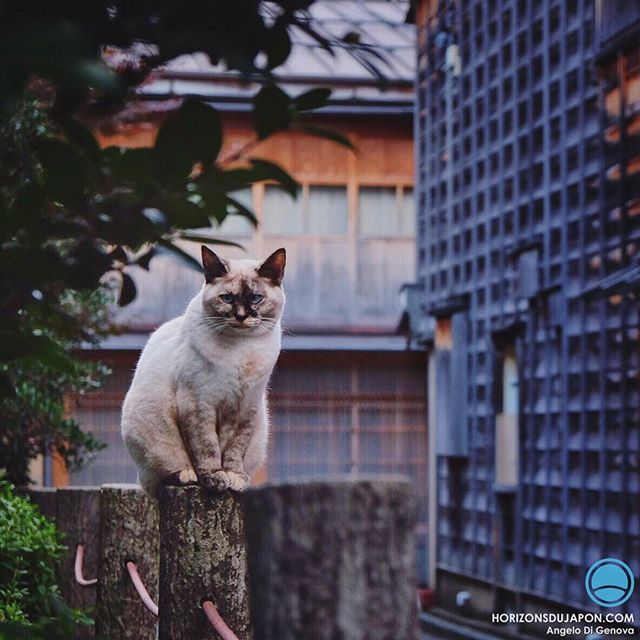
(273, 267)
(213, 266)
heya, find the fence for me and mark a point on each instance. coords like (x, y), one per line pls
(320, 560)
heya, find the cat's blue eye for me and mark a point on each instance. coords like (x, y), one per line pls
(256, 298)
(227, 297)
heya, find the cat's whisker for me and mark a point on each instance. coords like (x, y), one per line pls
(214, 322)
(266, 324)
(286, 331)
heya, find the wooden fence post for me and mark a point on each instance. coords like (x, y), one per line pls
(44, 497)
(128, 531)
(332, 560)
(78, 519)
(202, 556)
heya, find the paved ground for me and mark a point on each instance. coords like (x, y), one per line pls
(435, 627)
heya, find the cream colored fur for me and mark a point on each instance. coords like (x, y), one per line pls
(197, 406)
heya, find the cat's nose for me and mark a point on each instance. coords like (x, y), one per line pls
(240, 315)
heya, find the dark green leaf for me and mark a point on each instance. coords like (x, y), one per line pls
(278, 44)
(21, 344)
(351, 37)
(272, 111)
(243, 211)
(19, 631)
(184, 214)
(193, 134)
(167, 247)
(127, 290)
(87, 262)
(214, 204)
(123, 221)
(144, 260)
(224, 181)
(31, 269)
(312, 99)
(326, 134)
(131, 167)
(27, 210)
(65, 171)
(266, 170)
(119, 254)
(53, 356)
(200, 237)
(78, 135)
(305, 26)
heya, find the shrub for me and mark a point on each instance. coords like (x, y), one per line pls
(30, 602)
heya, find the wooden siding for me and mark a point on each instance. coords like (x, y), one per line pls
(339, 276)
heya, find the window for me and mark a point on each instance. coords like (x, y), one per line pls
(386, 211)
(319, 210)
(282, 214)
(327, 211)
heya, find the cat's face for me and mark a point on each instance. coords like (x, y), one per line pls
(243, 296)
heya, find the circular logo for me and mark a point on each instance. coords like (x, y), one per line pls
(609, 582)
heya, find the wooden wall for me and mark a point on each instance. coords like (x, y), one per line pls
(338, 278)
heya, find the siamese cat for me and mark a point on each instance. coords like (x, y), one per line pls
(196, 411)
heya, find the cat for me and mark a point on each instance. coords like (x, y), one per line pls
(196, 411)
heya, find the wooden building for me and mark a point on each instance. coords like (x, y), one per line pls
(347, 396)
(527, 182)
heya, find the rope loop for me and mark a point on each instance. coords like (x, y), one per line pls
(211, 611)
(78, 568)
(140, 588)
(208, 606)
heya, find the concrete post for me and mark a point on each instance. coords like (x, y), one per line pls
(332, 560)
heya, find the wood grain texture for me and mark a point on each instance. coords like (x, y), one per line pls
(332, 560)
(78, 519)
(128, 531)
(43, 497)
(202, 556)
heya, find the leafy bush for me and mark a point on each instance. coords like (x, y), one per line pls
(33, 419)
(30, 602)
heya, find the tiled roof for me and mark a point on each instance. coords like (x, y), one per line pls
(380, 24)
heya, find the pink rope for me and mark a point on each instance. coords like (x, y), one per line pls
(78, 568)
(140, 588)
(217, 622)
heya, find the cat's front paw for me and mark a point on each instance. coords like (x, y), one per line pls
(238, 481)
(187, 476)
(215, 480)
(181, 478)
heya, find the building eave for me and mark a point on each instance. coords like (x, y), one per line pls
(234, 103)
(302, 342)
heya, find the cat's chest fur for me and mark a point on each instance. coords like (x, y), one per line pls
(214, 370)
(232, 369)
